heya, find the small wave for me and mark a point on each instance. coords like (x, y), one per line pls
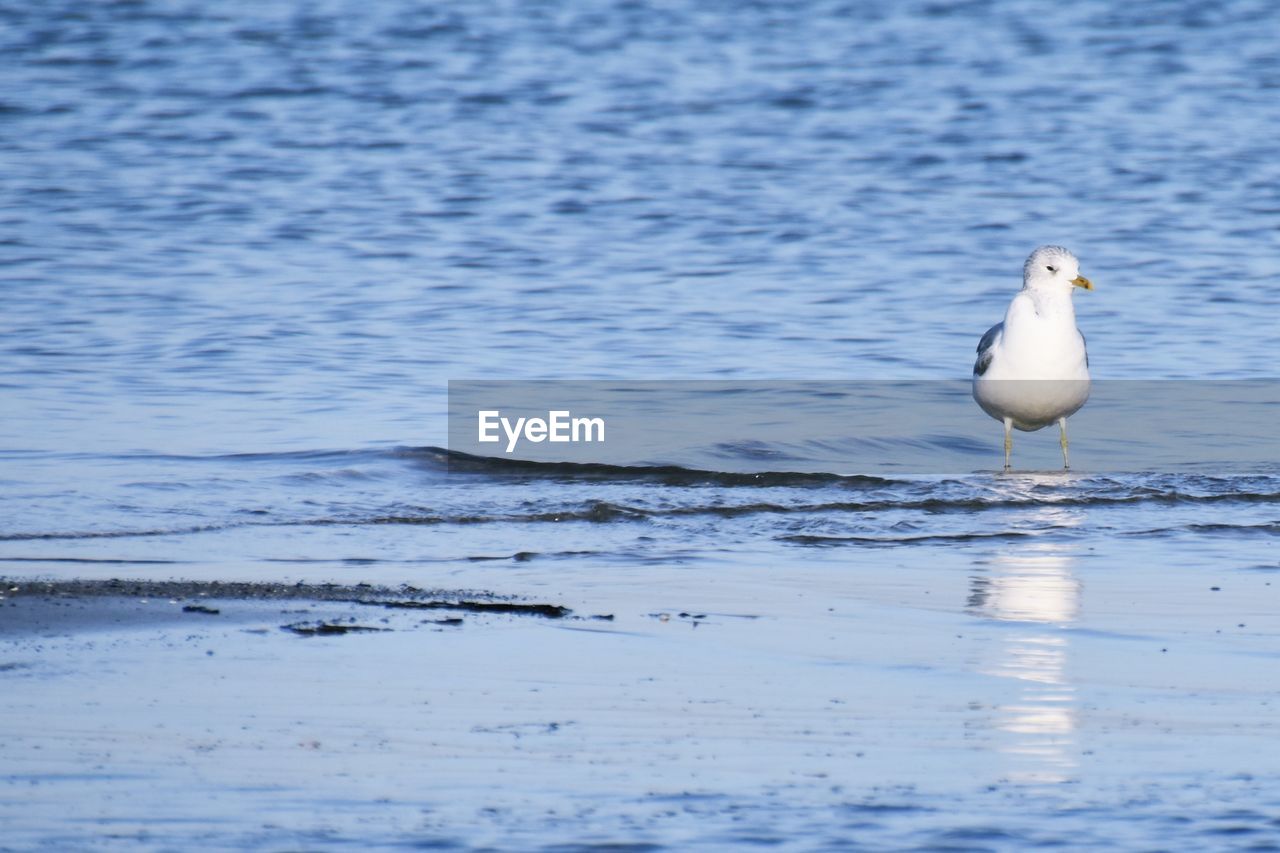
(367, 454)
(113, 534)
(1265, 529)
(667, 475)
(105, 561)
(830, 541)
(1077, 490)
(607, 512)
(595, 511)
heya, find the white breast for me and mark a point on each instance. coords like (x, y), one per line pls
(1039, 341)
(1039, 371)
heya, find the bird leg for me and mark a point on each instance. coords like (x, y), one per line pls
(1008, 441)
(1062, 425)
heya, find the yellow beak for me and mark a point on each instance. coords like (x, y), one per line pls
(1081, 281)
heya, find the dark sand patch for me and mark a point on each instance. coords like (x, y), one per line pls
(64, 607)
(327, 629)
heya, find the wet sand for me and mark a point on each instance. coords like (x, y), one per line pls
(709, 711)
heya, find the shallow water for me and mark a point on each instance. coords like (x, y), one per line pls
(244, 249)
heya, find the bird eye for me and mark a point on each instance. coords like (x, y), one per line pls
(1051, 269)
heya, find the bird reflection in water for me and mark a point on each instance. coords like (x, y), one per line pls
(1036, 589)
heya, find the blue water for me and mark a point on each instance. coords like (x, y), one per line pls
(244, 246)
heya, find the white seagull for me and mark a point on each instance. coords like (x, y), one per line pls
(1032, 369)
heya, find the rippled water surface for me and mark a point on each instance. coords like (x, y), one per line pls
(244, 247)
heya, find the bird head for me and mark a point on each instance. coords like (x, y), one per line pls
(1053, 268)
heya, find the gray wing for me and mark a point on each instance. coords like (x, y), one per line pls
(1085, 341)
(984, 349)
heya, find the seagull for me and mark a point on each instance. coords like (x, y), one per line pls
(1039, 347)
